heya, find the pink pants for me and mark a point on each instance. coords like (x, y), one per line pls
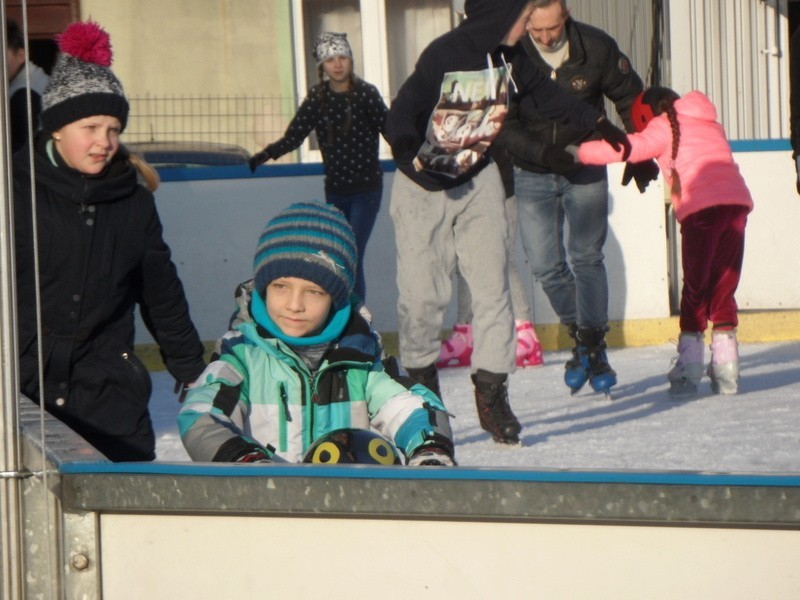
(712, 248)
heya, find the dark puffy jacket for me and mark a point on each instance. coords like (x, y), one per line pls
(465, 48)
(794, 91)
(596, 68)
(101, 252)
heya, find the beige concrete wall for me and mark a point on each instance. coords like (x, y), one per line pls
(232, 52)
(199, 557)
(198, 46)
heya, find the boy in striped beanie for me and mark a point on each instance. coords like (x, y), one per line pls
(301, 359)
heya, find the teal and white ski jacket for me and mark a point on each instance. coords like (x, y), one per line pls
(260, 392)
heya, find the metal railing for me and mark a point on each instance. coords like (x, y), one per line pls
(247, 121)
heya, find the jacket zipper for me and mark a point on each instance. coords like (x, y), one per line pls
(286, 418)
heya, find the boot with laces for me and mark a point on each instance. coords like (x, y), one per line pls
(494, 411)
(427, 376)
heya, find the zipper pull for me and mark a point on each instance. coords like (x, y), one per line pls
(285, 402)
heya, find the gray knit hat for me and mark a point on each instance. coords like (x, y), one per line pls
(312, 241)
(330, 44)
(82, 84)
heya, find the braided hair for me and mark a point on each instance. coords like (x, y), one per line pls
(662, 100)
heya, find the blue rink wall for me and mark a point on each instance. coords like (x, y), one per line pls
(213, 217)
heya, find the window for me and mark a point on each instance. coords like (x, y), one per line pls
(387, 36)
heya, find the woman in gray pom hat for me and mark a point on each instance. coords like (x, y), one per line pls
(100, 252)
(347, 114)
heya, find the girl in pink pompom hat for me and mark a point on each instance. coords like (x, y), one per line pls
(92, 244)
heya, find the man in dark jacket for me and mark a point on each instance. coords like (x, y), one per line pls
(20, 72)
(447, 196)
(552, 189)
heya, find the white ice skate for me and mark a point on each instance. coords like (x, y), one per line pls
(685, 375)
(724, 367)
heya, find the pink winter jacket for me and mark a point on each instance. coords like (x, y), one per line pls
(708, 174)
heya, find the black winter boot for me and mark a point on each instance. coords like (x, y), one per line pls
(427, 376)
(494, 411)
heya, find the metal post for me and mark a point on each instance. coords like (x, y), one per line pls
(10, 461)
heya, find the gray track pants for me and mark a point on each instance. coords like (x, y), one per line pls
(431, 230)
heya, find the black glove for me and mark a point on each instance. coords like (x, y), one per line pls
(254, 455)
(431, 456)
(559, 161)
(180, 389)
(614, 136)
(642, 172)
(257, 159)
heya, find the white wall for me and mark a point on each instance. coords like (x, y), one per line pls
(212, 228)
(201, 557)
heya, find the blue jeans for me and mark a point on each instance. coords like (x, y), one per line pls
(572, 273)
(361, 211)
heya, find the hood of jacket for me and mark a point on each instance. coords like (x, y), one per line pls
(488, 21)
(695, 104)
(358, 343)
(116, 181)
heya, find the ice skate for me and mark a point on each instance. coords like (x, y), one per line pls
(576, 370)
(427, 376)
(724, 367)
(687, 371)
(590, 362)
(529, 348)
(494, 411)
(456, 351)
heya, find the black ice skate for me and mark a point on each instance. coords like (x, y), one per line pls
(494, 411)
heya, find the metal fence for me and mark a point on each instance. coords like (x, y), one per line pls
(247, 121)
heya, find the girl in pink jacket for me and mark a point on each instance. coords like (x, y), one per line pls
(711, 203)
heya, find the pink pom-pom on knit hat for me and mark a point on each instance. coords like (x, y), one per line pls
(82, 84)
(87, 42)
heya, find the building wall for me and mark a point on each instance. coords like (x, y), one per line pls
(198, 46)
(182, 49)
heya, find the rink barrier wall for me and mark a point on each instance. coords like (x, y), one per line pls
(754, 328)
(229, 205)
(160, 530)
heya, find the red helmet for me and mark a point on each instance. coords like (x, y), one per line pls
(641, 113)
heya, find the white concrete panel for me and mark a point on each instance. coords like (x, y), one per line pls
(212, 228)
(770, 273)
(214, 557)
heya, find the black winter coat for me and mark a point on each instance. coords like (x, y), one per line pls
(794, 92)
(596, 68)
(101, 252)
(464, 49)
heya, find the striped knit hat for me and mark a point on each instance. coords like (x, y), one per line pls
(82, 83)
(312, 241)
